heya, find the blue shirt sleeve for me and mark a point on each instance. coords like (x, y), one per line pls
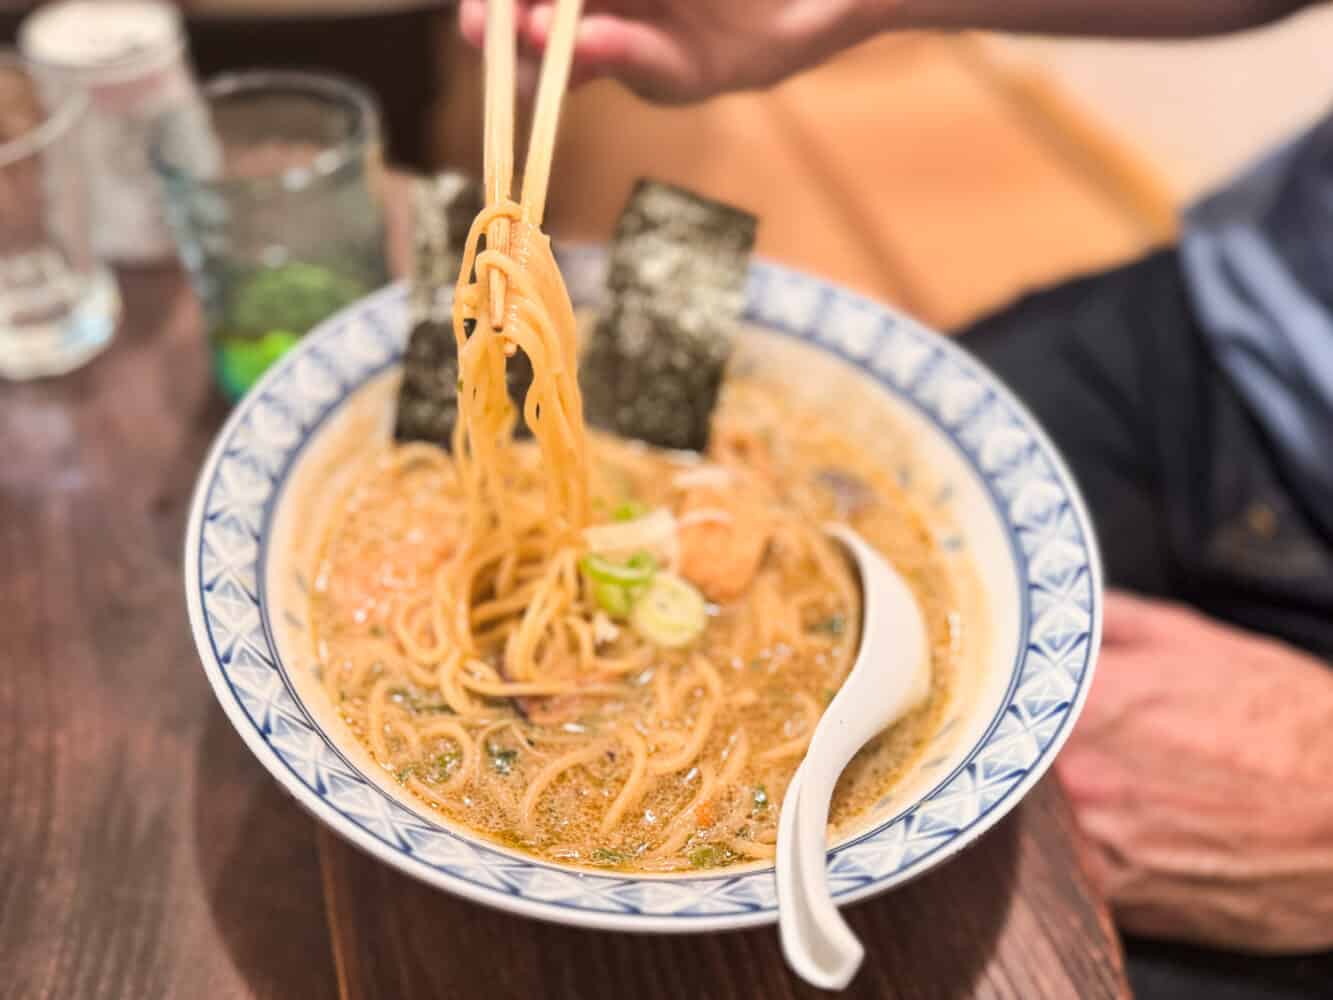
(1258, 259)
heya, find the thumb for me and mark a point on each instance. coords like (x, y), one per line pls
(472, 21)
(648, 60)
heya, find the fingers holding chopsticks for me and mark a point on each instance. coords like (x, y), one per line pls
(599, 40)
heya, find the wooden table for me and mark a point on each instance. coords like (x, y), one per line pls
(144, 853)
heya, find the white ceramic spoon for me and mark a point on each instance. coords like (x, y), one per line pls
(890, 677)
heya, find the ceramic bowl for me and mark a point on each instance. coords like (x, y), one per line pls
(997, 495)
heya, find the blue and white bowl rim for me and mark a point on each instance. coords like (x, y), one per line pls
(1051, 538)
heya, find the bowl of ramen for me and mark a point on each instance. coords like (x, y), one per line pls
(581, 697)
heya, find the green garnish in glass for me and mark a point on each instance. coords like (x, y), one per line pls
(268, 312)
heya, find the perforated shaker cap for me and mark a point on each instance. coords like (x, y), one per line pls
(105, 40)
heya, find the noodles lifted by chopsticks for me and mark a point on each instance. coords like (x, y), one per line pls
(541, 322)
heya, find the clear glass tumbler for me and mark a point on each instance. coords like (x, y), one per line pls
(58, 305)
(272, 191)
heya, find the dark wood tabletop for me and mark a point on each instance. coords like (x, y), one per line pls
(146, 854)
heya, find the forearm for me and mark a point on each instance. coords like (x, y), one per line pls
(1122, 18)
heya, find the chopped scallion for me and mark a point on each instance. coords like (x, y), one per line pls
(616, 586)
(445, 763)
(405, 697)
(635, 571)
(605, 857)
(711, 856)
(628, 510)
(833, 625)
(502, 759)
(671, 613)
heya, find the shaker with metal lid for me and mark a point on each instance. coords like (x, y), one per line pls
(129, 58)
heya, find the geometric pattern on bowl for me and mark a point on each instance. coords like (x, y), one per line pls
(1044, 519)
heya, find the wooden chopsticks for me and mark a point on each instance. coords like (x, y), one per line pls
(551, 86)
(499, 133)
(499, 121)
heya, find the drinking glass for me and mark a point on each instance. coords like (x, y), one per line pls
(272, 182)
(58, 305)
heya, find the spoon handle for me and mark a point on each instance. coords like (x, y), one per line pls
(819, 945)
(890, 676)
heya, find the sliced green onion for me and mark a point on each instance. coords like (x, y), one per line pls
(834, 625)
(616, 586)
(615, 600)
(406, 698)
(502, 759)
(711, 856)
(635, 571)
(445, 763)
(628, 510)
(671, 613)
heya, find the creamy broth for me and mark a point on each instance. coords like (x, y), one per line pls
(644, 757)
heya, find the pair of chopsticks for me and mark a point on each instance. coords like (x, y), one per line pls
(499, 54)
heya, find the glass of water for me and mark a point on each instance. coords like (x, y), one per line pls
(58, 305)
(272, 186)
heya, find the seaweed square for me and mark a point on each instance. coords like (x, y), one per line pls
(675, 291)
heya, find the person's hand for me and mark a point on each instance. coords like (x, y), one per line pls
(1202, 773)
(685, 50)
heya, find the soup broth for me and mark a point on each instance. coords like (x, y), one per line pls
(627, 754)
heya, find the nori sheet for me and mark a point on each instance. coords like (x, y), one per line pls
(443, 210)
(675, 291)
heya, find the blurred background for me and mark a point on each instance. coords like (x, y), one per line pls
(954, 138)
(1196, 110)
(967, 168)
(390, 46)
